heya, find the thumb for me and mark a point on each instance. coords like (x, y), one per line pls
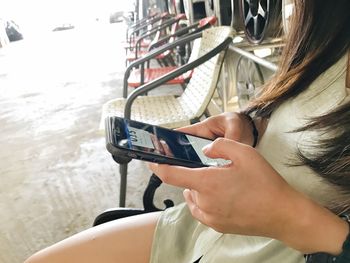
(223, 148)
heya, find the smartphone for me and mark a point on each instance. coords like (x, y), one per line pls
(142, 141)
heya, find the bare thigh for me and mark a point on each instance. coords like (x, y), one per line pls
(125, 240)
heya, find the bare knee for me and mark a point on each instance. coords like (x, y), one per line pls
(125, 240)
(36, 258)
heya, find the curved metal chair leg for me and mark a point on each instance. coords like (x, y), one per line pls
(117, 213)
(148, 196)
(114, 214)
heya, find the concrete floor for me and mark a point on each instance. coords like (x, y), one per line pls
(56, 175)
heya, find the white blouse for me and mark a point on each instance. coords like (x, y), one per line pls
(180, 238)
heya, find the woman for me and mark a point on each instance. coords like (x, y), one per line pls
(274, 203)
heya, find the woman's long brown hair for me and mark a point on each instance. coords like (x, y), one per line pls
(319, 36)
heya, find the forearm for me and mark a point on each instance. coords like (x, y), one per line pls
(305, 225)
(311, 228)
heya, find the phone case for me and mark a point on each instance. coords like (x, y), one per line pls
(123, 155)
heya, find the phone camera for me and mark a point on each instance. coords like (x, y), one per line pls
(123, 143)
(117, 130)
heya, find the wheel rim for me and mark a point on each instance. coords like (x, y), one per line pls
(248, 79)
(255, 14)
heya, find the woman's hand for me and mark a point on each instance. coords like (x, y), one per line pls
(249, 197)
(245, 197)
(230, 125)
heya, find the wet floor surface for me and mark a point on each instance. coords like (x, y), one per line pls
(56, 175)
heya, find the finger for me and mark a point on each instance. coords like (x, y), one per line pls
(198, 129)
(166, 148)
(225, 149)
(178, 175)
(196, 212)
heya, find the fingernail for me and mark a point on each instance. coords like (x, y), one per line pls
(205, 148)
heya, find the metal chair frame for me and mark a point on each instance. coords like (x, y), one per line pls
(159, 38)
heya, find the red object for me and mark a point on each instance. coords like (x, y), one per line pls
(207, 20)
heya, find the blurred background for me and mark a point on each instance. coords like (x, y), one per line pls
(36, 18)
(60, 61)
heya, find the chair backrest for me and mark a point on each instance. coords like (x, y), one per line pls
(173, 29)
(195, 50)
(142, 28)
(174, 25)
(202, 85)
(160, 32)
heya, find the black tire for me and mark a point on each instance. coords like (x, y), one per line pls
(194, 10)
(199, 10)
(180, 9)
(222, 9)
(225, 9)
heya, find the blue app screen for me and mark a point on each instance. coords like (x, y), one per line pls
(148, 138)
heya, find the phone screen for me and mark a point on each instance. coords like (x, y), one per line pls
(164, 142)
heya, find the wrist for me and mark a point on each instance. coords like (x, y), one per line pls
(311, 228)
(251, 129)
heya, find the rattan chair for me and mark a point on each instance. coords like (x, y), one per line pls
(171, 111)
(139, 72)
(159, 39)
(144, 26)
